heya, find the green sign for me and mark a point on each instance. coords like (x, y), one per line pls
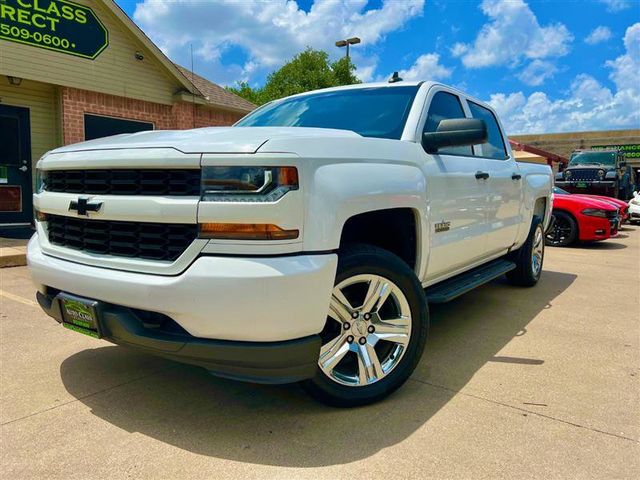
(628, 151)
(58, 25)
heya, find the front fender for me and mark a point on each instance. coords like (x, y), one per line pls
(337, 192)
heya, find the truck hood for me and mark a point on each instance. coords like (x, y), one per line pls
(204, 140)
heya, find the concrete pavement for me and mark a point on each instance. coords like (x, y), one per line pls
(515, 383)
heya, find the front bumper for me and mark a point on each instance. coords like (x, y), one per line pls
(259, 299)
(597, 228)
(246, 317)
(262, 362)
(584, 186)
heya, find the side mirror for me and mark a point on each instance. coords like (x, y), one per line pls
(455, 132)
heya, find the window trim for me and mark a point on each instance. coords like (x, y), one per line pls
(433, 90)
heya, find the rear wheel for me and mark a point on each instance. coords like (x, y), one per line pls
(375, 331)
(564, 231)
(529, 257)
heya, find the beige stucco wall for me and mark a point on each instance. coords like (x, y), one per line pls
(115, 71)
(42, 101)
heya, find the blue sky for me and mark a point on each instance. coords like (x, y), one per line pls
(544, 65)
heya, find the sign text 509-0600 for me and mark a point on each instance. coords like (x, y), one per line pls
(59, 25)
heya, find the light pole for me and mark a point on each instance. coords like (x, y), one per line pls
(347, 42)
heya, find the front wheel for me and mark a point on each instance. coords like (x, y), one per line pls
(564, 231)
(375, 332)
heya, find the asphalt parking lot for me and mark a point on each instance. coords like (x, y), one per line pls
(515, 383)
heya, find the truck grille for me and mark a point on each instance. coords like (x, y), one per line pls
(584, 174)
(153, 241)
(179, 182)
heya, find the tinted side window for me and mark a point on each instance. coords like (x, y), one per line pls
(444, 106)
(494, 148)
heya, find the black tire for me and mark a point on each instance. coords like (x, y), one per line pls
(527, 271)
(357, 260)
(564, 231)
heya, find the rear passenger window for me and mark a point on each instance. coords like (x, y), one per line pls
(494, 148)
(445, 106)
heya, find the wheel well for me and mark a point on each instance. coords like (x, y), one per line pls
(540, 208)
(393, 229)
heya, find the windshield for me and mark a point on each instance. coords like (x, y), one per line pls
(371, 112)
(593, 158)
(559, 191)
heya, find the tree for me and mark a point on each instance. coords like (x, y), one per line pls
(308, 70)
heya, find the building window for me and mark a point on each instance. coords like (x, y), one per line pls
(96, 126)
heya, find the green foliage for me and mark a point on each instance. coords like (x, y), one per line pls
(308, 70)
(245, 91)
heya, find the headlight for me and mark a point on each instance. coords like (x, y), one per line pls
(247, 184)
(595, 212)
(601, 173)
(40, 176)
(567, 174)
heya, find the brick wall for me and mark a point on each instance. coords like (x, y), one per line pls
(75, 103)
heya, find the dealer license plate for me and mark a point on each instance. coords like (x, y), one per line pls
(80, 314)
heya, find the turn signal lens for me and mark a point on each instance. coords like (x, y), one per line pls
(41, 217)
(246, 231)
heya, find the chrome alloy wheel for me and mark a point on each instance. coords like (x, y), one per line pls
(537, 251)
(362, 344)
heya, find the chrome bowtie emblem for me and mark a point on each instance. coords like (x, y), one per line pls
(83, 206)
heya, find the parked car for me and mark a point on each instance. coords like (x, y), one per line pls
(622, 206)
(599, 172)
(296, 245)
(581, 218)
(634, 208)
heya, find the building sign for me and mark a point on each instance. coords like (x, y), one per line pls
(628, 151)
(58, 25)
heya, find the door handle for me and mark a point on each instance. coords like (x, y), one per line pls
(23, 168)
(516, 176)
(482, 175)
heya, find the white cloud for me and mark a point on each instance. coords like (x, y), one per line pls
(625, 68)
(537, 72)
(268, 32)
(616, 5)
(426, 67)
(588, 105)
(598, 35)
(513, 34)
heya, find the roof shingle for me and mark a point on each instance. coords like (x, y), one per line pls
(215, 94)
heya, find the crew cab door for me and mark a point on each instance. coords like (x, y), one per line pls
(504, 184)
(457, 198)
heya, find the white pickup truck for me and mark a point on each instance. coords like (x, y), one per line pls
(302, 244)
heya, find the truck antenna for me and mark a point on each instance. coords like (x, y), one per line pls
(193, 93)
(395, 78)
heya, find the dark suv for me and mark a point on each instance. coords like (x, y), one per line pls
(597, 172)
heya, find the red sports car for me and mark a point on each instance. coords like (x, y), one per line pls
(581, 218)
(623, 207)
